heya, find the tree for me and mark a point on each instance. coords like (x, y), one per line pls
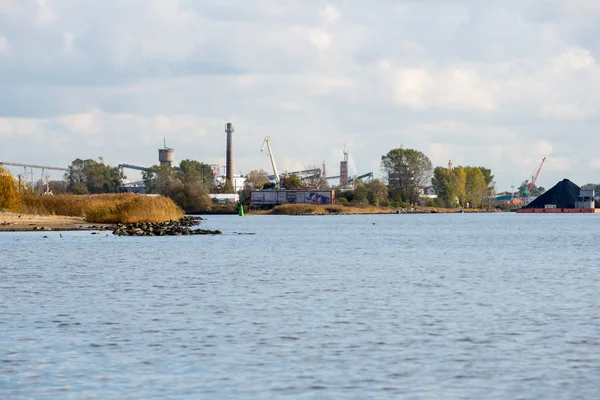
(475, 187)
(228, 187)
(292, 182)
(407, 172)
(149, 178)
(192, 197)
(10, 198)
(377, 192)
(361, 193)
(90, 176)
(58, 187)
(460, 177)
(192, 171)
(256, 179)
(537, 191)
(534, 192)
(445, 185)
(487, 175)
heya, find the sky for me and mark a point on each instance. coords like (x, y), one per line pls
(499, 84)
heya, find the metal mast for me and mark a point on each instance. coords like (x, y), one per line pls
(534, 179)
(267, 142)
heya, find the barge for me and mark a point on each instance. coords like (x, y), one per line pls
(564, 198)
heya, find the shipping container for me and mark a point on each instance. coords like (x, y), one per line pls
(276, 197)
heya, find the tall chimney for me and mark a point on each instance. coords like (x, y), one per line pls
(229, 169)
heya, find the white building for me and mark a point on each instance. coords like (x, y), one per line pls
(225, 198)
(238, 182)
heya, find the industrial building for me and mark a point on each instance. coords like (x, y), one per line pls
(276, 197)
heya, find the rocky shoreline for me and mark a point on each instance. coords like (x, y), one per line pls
(181, 227)
(13, 222)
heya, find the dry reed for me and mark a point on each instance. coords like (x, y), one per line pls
(123, 208)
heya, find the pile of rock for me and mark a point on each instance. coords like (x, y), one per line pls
(169, 228)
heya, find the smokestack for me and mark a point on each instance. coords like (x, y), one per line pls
(229, 169)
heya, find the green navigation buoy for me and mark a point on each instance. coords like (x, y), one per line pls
(241, 210)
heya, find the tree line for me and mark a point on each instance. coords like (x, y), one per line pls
(405, 174)
(462, 186)
(188, 185)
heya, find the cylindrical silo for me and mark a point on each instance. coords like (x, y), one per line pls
(166, 157)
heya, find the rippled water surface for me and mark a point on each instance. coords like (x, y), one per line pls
(392, 306)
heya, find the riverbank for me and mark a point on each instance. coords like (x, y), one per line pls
(309, 209)
(18, 222)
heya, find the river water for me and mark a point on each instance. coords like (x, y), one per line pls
(455, 306)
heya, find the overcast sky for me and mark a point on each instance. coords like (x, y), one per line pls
(495, 83)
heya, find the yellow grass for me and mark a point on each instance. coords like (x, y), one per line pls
(105, 208)
(310, 209)
(313, 209)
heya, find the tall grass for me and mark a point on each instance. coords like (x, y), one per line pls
(297, 209)
(123, 208)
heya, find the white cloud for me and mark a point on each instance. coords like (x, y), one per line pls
(45, 14)
(558, 164)
(5, 127)
(4, 47)
(454, 88)
(19, 126)
(89, 123)
(575, 58)
(68, 40)
(567, 112)
(330, 15)
(319, 38)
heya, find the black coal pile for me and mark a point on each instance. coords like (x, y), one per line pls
(563, 195)
(181, 227)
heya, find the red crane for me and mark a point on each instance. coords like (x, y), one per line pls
(532, 183)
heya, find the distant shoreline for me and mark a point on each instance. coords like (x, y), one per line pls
(308, 209)
(20, 222)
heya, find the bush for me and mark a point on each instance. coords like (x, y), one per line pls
(10, 198)
(294, 209)
(342, 201)
(334, 209)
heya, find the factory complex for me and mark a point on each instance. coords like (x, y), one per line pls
(564, 197)
(166, 158)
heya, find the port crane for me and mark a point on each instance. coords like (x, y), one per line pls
(267, 142)
(528, 186)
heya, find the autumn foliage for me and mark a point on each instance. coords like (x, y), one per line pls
(10, 198)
